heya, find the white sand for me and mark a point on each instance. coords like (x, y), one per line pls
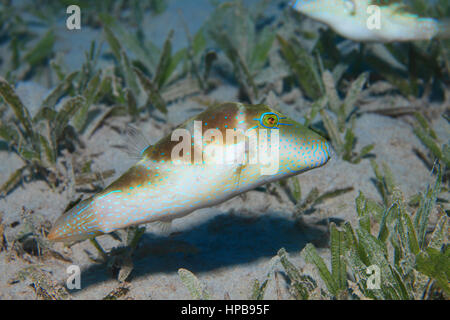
(226, 246)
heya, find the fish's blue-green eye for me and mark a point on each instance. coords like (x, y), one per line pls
(269, 120)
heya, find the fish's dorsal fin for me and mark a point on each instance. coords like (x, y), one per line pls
(398, 7)
(135, 142)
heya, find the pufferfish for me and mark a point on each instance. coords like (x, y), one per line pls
(202, 163)
(373, 20)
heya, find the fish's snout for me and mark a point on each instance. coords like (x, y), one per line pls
(324, 152)
(329, 151)
(312, 152)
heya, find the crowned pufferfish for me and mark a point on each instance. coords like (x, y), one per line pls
(159, 189)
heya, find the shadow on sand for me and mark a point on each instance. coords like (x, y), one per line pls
(223, 241)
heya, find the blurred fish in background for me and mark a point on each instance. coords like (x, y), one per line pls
(374, 20)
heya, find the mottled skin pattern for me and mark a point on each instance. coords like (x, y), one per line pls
(159, 189)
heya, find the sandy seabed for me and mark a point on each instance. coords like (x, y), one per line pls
(226, 246)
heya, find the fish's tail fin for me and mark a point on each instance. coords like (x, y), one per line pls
(78, 224)
(444, 29)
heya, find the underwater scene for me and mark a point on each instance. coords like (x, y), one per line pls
(224, 150)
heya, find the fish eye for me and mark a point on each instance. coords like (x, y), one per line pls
(350, 6)
(269, 120)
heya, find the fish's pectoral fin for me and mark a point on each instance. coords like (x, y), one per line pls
(165, 227)
(379, 50)
(135, 142)
(239, 173)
